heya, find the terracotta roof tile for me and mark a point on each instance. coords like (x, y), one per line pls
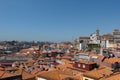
(35, 71)
(112, 60)
(66, 57)
(10, 69)
(53, 74)
(66, 61)
(78, 76)
(40, 58)
(25, 75)
(64, 66)
(100, 57)
(115, 76)
(4, 74)
(98, 73)
(2, 69)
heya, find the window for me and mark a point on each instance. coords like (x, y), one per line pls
(78, 65)
(83, 66)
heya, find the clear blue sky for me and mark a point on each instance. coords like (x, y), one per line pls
(56, 20)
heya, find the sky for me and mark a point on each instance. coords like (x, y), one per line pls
(56, 20)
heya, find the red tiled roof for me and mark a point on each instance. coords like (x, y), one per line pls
(25, 75)
(35, 71)
(2, 69)
(53, 74)
(98, 73)
(115, 76)
(4, 74)
(100, 57)
(112, 60)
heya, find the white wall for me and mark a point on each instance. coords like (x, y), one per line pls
(41, 79)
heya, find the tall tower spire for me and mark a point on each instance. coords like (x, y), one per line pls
(97, 32)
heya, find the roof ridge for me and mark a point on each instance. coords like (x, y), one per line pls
(2, 74)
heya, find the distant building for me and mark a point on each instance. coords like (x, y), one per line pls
(116, 36)
(94, 38)
(84, 40)
(85, 65)
(81, 56)
(111, 40)
(81, 42)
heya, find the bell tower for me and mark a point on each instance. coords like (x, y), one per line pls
(97, 33)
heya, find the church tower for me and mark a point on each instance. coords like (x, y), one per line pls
(97, 33)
